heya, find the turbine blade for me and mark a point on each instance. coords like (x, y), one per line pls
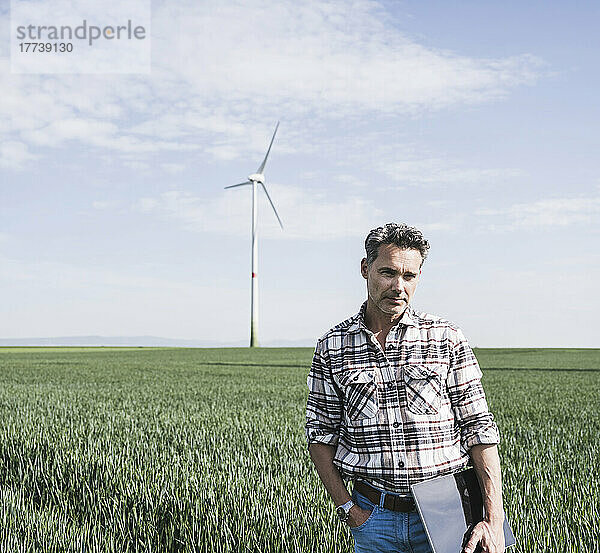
(271, 202)
(241, 184)
(262, 165)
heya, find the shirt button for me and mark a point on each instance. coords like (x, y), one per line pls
(401, 464)
(396, 424)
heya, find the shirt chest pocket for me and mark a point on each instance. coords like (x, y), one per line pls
(423, 384)
(360, 391)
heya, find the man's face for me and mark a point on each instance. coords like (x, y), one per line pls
(392, 278)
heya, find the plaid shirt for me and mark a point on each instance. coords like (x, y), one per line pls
(398, 416)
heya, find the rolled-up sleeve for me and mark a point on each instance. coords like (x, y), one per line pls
(467, 397)
(323, 407)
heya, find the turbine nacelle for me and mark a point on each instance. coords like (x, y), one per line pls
(257, 177)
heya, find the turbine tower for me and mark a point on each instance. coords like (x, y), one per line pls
(255, 179)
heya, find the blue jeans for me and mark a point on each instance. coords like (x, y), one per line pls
(388, 531)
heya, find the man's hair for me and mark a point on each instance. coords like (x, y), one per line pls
(400, 235)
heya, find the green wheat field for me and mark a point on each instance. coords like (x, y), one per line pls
(168, 449)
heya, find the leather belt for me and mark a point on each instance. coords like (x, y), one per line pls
(391, 502)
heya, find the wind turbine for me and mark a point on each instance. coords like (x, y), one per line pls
(255, 179)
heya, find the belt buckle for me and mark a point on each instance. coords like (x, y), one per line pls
(399, 504)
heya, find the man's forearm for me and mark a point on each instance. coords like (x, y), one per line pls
(487, 467)
(322, 457)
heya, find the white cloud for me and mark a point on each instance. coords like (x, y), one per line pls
(305, 215)
(74, 128)
(147, 205)
(410, 170)
(101, 204)
(321, 56)
(173, 168)
(221, 69)
(555, 212)
(137, 165)
(14, 154)
(350, 180)
(102, 134)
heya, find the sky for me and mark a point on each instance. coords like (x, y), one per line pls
(474, 121)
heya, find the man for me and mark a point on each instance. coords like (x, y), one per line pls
(395, 398)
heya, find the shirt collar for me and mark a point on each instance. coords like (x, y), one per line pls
(358, 321)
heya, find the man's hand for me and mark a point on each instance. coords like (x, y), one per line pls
(489, 536)
(489, 533)
(357, 516)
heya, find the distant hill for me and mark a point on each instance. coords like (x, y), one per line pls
(147, 341)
